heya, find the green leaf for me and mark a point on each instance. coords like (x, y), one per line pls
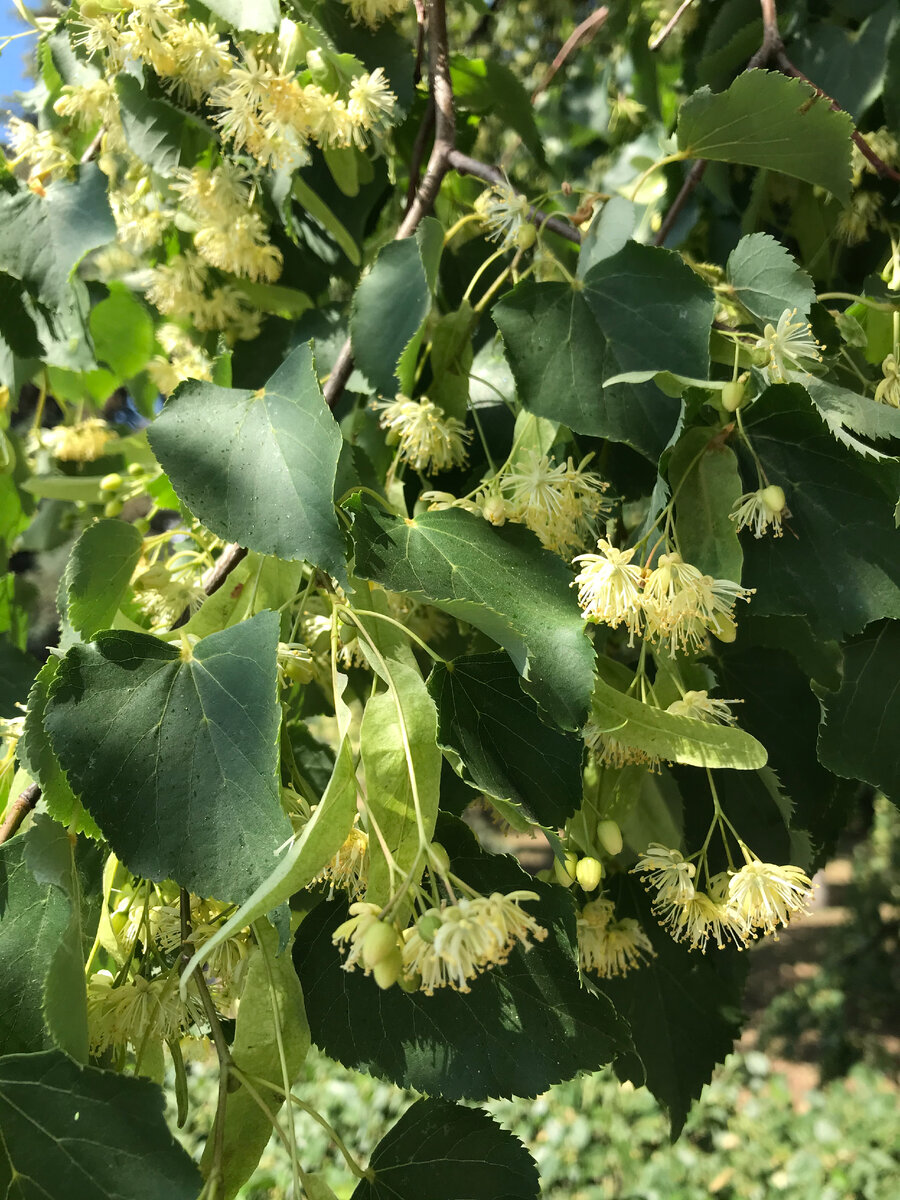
(318, 842)
(257, 582)
(704, 477)
(847, 413)
(838, 564)
(443, 1151)
(523, 1026)
(608, 233)
(671, 738)
(402, 762)
(122, 329)
(389, 308)
(317, 208)
(271, 1001)
(766, 279)
(451, 361)
(500, 581)
(858, 739)
(258, 468)
(155, 129)
(177, 756)
(69, 1131)
(505, 749)
(49, 855)
(34, 918)
(767, 120)
(258, 16)
(42, 240)
(98, 572)
(39, 759)
(847, 64)
(17, 672)
(684, 1010)
(489, 88)
(649, 304)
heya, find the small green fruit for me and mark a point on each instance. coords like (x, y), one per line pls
(589, 872)
(111, 483)
(565, 874)
(609, 835)
(773, 498)
(733, 396)
(387, 971)
(112, 508)
(526, 236)
(379, 943)
(428, 926)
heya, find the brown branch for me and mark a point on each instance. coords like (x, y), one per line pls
(418, 153)
(582, 34)
(216, 575)
(772, 52)
(670, 25)
(18, 811)
(471, 166)
(437, 168)
(692, 179)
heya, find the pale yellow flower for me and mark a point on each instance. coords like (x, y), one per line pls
(609, 587)
(788, 346)
(766, 895)
(701, 707)
(608, 947)
(760, 509)
(427, 438)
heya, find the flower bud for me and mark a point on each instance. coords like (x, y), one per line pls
(111, 483)
(495, 510)
(428, 926)
(380, 941)
(733, 396)
(589, 872)
(565, 874)
(387, 971)
(135, 469)
(410, 983)
(773, 498)
(526, 236)
(609, 835)
(112, 508)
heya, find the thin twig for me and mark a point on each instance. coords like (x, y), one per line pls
(771, 42)
(418, 153)
(670, 25)
(438, 166)
(216, 575)
(18, 811)
(693, 178)
(93, 147)
(471, 166)
(581, 35)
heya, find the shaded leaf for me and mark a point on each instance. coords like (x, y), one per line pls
(766, 119)
(70, 1131)
(607, 234)
(767, 280)
(524, 1025)
(447, 1152)
(389, 307)
(155, 129)
(489, 88)
(98, 572)
(838, 564)
(176, 756)
(122, 330)
(499, 580)
(504, 748)
(858, 736)
(258, 467)
(847, 413)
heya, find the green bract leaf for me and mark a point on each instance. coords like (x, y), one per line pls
(858, 735)
(176, 756)
(97, 574)
(70, 1131)
(523, 1026)
(389, 307)
(257, 582)
(767, 120)
(43, 239)
(499, 580)
(258, 467)
(766, 279)
(271, 1001)
(684, 1010)
(671, 738)
(443, 1151)
(402, 763)
(838, 564)
(259, 16)
(704, 477)
(504, 747)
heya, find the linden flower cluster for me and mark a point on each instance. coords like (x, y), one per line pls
(789, 345)
(760, 509)
(426, 438)
(182, 359)
(559, 502)
(84, 441)
(349, 869)
(737, 905)
(139, 1012)
(609, 947)
(504, 212)
(373, 12)
(163, 594)
(47, 155)
(446, 947)
(674, 604)
(888, 390)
